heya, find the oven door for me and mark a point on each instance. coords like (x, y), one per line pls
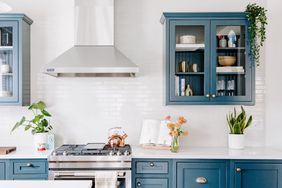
(123, 177)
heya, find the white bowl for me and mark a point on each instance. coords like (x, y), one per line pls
(187, 39)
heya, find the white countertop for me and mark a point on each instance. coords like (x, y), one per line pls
(184, 153)
(45, 184)
(210, 153)
(26, 153)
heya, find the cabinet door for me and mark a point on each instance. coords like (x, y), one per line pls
(201, 175)
(9, 67)
(151, 183)
(188, 65)
(2, 170)
(232, 69)
(257, 175)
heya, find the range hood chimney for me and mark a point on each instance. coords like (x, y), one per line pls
(94, 53)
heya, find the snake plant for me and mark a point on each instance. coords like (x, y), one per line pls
(237, 123)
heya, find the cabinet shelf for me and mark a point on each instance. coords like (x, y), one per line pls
(190, 73)
(230, 73)
(6, 47)
(189, 47)
(227, 48)
(6, 74)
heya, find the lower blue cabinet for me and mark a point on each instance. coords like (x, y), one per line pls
(24, 169)
(2, 170)
(252, 174)
(201, 175)
(193, 173)
(151, 183)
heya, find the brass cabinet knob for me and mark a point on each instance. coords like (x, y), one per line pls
(138, 184)
(152, 164)
(213, 95)
(201, 180)
(208, 95)
(238, 169)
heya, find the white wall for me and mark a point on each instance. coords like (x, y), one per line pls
(84, 108)
(273, 72)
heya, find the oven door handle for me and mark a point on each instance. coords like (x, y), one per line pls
(84, 174)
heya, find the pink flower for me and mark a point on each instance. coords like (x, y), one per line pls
(168, 118)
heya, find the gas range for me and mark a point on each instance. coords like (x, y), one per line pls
(86, 161)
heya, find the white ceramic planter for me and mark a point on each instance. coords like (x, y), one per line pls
(236, 141)
(40, 141)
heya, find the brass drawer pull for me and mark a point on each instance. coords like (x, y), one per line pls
(201, 180)
(29, 165)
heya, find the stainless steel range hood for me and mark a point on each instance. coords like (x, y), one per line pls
(94, 53)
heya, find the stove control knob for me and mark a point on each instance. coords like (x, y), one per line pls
(111, 153)
(126, 153)
(118, 153)
(65, 153)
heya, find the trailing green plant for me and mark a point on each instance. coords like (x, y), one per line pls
(237, 123)
(40, 123)
(257, 19)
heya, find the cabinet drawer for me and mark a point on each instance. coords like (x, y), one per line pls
(30, 167)
(152, 167)
(151, 183)
(201, 175)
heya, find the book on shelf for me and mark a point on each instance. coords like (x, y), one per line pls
(235, 69)
(177, 91)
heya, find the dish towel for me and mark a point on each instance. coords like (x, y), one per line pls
(105, 179)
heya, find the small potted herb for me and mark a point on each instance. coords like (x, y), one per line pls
(40, 125)
(237, 124)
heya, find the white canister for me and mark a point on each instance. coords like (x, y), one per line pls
(40, 141)
(4, 68)
(236, 141)
(5, 93)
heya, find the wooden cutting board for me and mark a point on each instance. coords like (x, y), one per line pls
(7, 150)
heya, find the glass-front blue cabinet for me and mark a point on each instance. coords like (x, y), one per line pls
(207, 59)
(14, 59)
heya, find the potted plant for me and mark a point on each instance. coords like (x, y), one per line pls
(40, 125)
(257, 19)
(176, 131)
(237, 124)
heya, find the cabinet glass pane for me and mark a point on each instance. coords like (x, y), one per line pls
(231, 61)
(189, 60)
(6, 62)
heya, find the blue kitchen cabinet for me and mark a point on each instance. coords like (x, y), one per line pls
(14, 59)
(152, 173)
(28, 169)
(151, 183)
(197, 174)
(2, 170)
(195, 44)
(256, 174)
(24, 169)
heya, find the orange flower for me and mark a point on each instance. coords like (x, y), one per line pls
(171, 125)
(185, 133)
(181, 120)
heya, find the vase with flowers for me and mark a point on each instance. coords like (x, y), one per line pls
(175, 131)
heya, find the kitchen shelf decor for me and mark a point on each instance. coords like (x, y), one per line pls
(14, 59)
(208, 59)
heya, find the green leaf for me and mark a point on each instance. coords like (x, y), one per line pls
(44, 123)
(44, 112)
(27, 127)
(18, 124)
(37, 118)
(41, 105)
